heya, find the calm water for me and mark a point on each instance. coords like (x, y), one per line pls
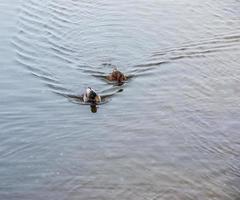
(171, 132)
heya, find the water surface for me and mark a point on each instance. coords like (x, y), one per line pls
(170, 132)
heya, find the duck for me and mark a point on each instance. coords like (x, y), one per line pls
(117, 76)
(90, 96)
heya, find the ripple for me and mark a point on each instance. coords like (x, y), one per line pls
(70, 39)
(170, 131)
(203, 48)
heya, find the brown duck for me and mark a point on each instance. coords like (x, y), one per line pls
(116, 76)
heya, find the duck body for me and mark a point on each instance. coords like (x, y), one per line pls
(117, 76)
(90, 96)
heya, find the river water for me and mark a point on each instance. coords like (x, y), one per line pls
(170, 132)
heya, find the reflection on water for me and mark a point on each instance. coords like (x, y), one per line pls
(170, 131)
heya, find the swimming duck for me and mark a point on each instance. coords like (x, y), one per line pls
(91, 96)
(117, 76)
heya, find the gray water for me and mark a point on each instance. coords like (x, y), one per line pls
(170, 132)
